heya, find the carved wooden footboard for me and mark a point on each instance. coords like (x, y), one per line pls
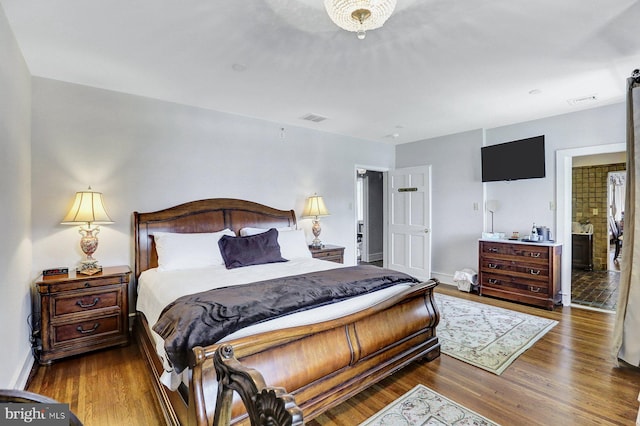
(325, 364)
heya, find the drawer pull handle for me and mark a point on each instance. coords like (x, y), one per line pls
(493, 281)
(535, 272)
(83, 331)
(492, 250)
(493, 266)
(91, 305)
(534, 254)
(534, 289)
(87, 284)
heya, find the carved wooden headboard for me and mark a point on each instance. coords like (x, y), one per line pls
(209, 215)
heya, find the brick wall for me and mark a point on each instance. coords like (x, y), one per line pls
(589, 193)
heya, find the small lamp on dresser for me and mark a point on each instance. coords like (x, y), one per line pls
(314, 208)
(87, 209)
(492, 206)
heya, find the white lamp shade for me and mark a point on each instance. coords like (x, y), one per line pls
(493, 205)
(315, 207)
(88, 207)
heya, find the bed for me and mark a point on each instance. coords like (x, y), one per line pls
(321, 363)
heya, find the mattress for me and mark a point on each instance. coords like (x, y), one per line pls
(156, 289)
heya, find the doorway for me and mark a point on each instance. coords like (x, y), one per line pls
(370, 216)
(597, 209)
(617, 188)
(566, 219)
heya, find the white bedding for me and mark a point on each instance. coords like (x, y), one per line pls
(156, 289)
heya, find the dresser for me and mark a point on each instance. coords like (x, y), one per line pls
(80, 313)
(521, 272)
(582, 251)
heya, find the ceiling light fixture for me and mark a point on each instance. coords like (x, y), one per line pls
(359, 15)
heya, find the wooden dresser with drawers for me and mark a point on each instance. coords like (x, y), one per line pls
(521, 271)
(80, 313)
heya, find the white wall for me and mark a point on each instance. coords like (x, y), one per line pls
(145, 155)
(15, 198)
(456, 188)
(523, 202)
(457, 181)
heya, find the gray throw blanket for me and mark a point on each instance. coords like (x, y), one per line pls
(202, 319)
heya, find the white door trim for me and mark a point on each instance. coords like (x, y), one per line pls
(384, 171)
(564, 163)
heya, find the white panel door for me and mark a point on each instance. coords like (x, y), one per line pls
(410, 221)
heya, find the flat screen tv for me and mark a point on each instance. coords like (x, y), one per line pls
(521, 159)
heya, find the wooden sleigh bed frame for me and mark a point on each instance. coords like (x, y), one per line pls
(321, 365)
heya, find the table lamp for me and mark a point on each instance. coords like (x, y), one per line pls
(492, 206)
(314, 208)
(88, 208)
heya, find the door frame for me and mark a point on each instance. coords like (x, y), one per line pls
(384, 171)
(564, 166)
(610, 203)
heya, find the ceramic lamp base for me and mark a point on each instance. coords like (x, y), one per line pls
(316, 229)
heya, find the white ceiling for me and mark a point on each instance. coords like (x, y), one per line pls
(436, 67)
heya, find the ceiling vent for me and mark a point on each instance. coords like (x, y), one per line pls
(583, 100)
(313, 117)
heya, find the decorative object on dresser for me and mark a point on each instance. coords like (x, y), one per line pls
(88, 208)
(521, 272)
(55, 271)
(314, 208)
(328, 252)
(492, 206)
(80, 313)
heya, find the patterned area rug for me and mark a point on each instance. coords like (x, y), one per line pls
(486, 336)
(422, 406)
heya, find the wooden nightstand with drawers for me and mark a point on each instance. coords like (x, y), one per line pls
(81, 313)
(328, 252)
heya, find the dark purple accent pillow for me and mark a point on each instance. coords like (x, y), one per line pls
(250, 250)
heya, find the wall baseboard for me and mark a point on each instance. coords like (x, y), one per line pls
(375, 257)
(23, 375)
(443, 278)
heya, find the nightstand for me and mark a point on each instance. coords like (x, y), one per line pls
(81, 313)
(328, 252)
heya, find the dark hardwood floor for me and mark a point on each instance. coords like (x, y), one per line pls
(104, 388)
(566, 378)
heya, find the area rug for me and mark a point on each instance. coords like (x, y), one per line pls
(422, 406)
(486, 336)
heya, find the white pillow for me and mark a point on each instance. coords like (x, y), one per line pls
(185, 251)
(293, 243)
(254, 231)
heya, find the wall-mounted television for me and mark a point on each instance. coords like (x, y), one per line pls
(521, 159)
